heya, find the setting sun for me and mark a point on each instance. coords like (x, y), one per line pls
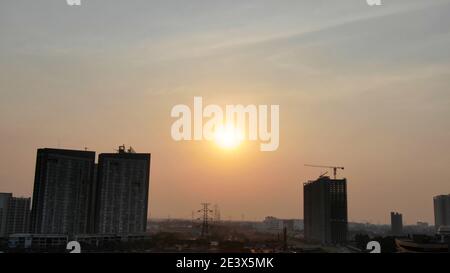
(228, 137)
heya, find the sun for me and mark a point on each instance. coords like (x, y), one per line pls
(228, 136)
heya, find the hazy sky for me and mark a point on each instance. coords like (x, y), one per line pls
(363, 87)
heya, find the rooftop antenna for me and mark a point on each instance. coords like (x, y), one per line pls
(121, 149)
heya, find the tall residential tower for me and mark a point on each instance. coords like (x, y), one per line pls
(396, 224)
(122, 192)
(14, 214)
(63, 186)
(441, 210)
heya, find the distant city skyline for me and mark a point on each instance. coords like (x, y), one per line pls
(122, 153)
(358, 86)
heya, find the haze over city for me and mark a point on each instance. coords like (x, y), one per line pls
(358, 86)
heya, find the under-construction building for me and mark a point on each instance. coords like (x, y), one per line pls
(325, 210)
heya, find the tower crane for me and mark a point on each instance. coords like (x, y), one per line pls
(335, 168)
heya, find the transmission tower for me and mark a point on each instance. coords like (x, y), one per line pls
(205, 211)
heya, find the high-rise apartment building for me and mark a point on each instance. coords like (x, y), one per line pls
(396, 223)
(4, 205)
(14, 214)
(63, 187)
(122, 192)
(19, 215)
(441, 210)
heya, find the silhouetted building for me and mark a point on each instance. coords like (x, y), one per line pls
(19, 215)
(63, 186)
(122, 192)
(4, 204)
(273, 223)
(14, 214)
(396, 223)
(325, 210)
(288, 224)
(441, 210)
(422, 224)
